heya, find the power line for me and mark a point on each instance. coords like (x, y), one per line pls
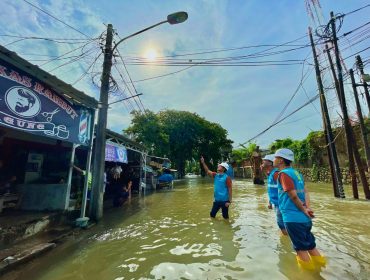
(58, 57)
(123, 91)
(274, 124)
(354, 11)
(74, 60)
(54, 40)
(43, 38)
(126, 83)
(164, 75)
(128, 74)
(54, 17)
(87, 70)
(357, 53)
(240, 48)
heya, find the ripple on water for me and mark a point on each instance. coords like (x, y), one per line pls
(173, 238)
(197, 250)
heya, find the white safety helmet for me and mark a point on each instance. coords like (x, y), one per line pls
(285, 153)
(224, 165)
(269, 157)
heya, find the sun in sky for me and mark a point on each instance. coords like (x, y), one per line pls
(151, 54)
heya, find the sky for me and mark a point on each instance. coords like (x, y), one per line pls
(267, 40)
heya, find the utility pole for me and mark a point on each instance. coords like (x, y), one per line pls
(361, 119)
(336, 83)
(347, 125)
(96, 209)
(332, 152)
(360, 66)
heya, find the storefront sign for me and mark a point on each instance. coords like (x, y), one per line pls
(115, 153)
(28, 105)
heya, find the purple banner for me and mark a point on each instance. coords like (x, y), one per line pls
(115, 153)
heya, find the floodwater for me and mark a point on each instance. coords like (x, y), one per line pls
(169, 235)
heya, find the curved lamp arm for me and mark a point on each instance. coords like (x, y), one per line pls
(174, 18)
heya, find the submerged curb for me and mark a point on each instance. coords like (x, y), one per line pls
(12, 261)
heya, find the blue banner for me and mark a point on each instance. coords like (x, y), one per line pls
(115, 153)
(27, 104)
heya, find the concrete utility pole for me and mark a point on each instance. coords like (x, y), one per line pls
(360, 66)
(351, 139)
(96, 209)
(336, 83)
(332, 152)
(361, 119)
(342, 100)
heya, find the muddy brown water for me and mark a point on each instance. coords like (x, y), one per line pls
(169, 235)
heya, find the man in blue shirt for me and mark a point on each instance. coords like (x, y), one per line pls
(222, 189)
(294, 206)
(272, 188)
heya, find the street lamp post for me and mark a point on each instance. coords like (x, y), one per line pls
(96, 207)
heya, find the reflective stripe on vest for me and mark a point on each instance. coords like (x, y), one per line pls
(272, 188)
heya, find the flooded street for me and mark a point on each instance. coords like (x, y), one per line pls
(169, 235)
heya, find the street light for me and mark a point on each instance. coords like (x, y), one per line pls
(96, 207)
(174, 18)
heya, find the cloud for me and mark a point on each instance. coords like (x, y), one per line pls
(244, 100)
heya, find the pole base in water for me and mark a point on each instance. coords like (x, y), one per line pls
(82, 222)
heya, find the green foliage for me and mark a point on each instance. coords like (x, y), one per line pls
(181, 136)
(192, 166)
(303, 150)
(147, 130)
(315, 173)
(244, 153)
(280, 143)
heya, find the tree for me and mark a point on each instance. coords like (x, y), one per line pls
(181, 136)
(304, 151)
(239, 155)
(146, 129)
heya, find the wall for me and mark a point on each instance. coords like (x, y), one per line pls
(43, 197)
(322, 174)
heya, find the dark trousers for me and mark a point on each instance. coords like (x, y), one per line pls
(216, 206)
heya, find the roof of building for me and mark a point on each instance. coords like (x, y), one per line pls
(125, 141)
(66, 90)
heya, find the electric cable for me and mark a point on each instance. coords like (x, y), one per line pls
(54, 17)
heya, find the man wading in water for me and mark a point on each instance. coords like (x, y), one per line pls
(294, 205)
(222, 189)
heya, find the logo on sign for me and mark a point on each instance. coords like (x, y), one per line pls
(121, 155)
(22, 102)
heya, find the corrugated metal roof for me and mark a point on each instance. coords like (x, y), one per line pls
(122, 139)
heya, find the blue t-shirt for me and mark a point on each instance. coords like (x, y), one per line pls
(221, 191)
(288, 209)
(165, 178)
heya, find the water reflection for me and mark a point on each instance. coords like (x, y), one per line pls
(169, 235)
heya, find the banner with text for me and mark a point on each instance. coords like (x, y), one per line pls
(115, 153)
(27, 104)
